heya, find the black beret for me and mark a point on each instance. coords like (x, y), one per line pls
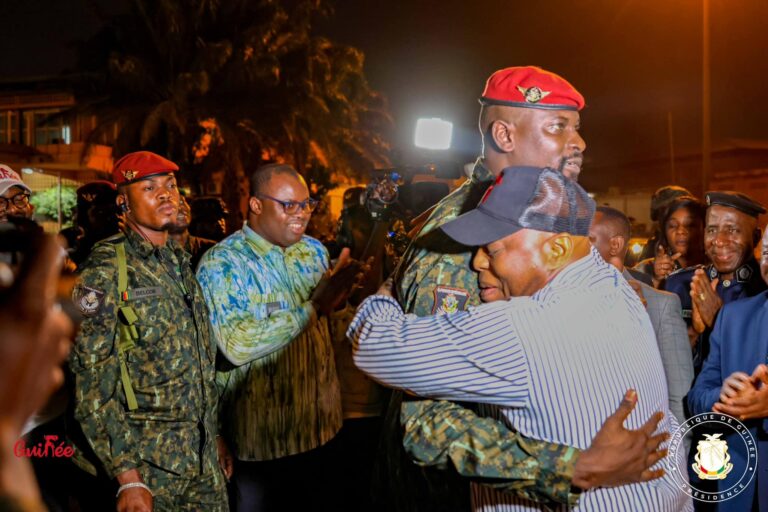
(663, 196)
(741, 202)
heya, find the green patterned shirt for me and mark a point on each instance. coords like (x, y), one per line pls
(281, 397)
(436, 272)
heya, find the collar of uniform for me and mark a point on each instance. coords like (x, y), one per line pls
(262, 246)
(743, 274)
(181, 252)
(142, 247)
(480, 173)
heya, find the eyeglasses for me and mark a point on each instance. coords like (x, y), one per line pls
(291, 207)
(19, 201)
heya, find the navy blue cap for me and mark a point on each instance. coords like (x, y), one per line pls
(525, 198)
(737, 200)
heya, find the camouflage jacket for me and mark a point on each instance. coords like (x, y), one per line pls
(435, 277)
(171, 368)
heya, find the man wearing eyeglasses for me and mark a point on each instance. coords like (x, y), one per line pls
(269, 290)
(14, 195)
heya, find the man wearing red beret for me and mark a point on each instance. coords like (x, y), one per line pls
(528, 117)
(143, 362)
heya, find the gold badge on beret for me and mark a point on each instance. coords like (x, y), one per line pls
(88, 198)
(533, 94)
(129, 174)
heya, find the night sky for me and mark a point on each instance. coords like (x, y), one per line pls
(635, 61)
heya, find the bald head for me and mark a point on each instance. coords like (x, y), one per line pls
(489, 114)
(518, 136)
(261, 177)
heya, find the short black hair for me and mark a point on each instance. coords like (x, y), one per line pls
(618, 218)
(261, 176)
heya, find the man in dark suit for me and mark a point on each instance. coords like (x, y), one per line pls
(609, 234)
(734, 381)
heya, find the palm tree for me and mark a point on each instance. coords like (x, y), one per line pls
(226, 84)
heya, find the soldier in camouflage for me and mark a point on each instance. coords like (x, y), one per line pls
(529, 117)
(143, 361)
(194, 245)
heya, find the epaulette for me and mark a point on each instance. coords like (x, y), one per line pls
(117, 237)
(692, 268)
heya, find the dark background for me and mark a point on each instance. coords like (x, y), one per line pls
(635, 61)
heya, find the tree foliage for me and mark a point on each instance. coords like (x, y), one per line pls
(222, 85)
(47, 203)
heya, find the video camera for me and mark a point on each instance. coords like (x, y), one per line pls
(392, 192)
(20, 238)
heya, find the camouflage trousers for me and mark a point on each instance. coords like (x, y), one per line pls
(175, 493)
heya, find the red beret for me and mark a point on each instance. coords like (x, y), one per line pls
(139, 165)
(531, 87)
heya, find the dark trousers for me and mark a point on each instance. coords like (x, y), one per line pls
(402, 486)
(299, 482)
(356, 446)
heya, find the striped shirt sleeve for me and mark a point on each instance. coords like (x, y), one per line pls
(474, 355)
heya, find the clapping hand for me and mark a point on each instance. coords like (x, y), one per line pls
(745, 396)
(335, 286)
(706, 302)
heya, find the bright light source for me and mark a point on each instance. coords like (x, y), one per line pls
(27, 170)
(636, 248)
(433, 133)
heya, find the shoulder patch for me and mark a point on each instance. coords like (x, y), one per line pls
(88, 300)
(449, 300)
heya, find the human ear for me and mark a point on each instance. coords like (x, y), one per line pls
(122, 203)
(503, 135)
(254, 205)
(557, 251)
(617, 245)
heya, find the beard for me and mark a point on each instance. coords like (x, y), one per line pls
(564, 161)
(176, 228)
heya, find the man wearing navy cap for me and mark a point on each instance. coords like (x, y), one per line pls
(554, 357)
(730, 236)
(528, 116)
(143, 361)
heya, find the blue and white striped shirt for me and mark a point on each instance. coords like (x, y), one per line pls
(553, 366)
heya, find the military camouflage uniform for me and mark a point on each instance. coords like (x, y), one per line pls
(435, 277)
(170, 436)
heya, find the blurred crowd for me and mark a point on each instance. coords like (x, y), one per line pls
(155, 358)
